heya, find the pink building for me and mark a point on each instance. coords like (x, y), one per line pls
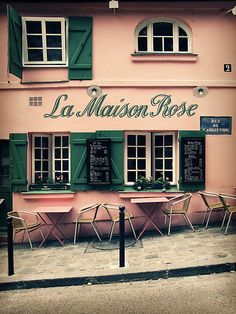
(153, 82)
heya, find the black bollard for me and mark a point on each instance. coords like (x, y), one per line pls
(122, 236)
(10, 247)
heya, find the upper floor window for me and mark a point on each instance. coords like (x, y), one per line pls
(163, 36)
(44, 40)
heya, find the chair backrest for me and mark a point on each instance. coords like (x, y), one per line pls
(88, 208)
(17, 223)
(111, 209)
(223, 198)
(206, 195)
(186, 200)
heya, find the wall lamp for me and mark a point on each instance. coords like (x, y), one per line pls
(200, 91)
(113, 4)
(94, 91)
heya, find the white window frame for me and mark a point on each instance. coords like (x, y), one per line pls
(150, 153)
(51, 154)
(176, 24)
(43, 20)
(174, 153)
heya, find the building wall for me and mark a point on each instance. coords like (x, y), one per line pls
(128, 78)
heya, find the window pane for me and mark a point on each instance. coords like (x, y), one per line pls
(37, 141)
(142, 44)
(168, 44)
(162, 29)
(131, 164)
(168, 152)
(53, 27)
(168, 164)
(53, 41)
(33, 27)
(35, 55)
(142, 140)
(158, 140)
(157, 44)
(65, 141)
(158, 174)
(45, 166)
(168, 140)
(37, 165)
(57, 165)
(182, 32)
(141, 164)
(168, 175)
(58, 141)
(141, 174)
(54, 54)
(65, 165)
(158, 164)
(141, 152)
(65, 153)
(143, 31)
(45, 154)
(44, 142)
(57, 153)
(131, 140)
(131, 176)
(183, 44)
(65, 177)
(131, 152)
(37, 154)
(159, 151)
(34, 41)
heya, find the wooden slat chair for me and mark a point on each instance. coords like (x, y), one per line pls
(113, 212)
(178, 205)
(210, 200)
(83, 218)
(25, 222)
(229, 209)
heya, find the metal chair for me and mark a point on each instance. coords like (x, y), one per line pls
(82, 218)
(178, 205)
(229, 209)
(25, 222)
(209, 199)
(113, 212)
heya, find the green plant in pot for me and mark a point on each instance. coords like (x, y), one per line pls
(160, 183)
(143, 183)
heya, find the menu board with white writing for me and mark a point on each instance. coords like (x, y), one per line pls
(99, 161)
(193, 160)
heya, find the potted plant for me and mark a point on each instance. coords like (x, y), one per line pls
(143, 183)
(49, 184)
(160, 183)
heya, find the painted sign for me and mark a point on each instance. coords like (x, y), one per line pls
(159, 105)
(216, 125)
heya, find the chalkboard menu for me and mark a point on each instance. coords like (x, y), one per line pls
(99, 161)
(193, 159)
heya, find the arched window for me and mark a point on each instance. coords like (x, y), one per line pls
(163, 36)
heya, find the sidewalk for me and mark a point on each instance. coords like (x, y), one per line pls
(89, 261)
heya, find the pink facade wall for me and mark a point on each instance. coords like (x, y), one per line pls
(136, 80)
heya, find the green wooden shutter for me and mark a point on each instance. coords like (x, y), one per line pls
(18, 162)
(79, 160)
(14, 42)
(198, 184)
(117, 157)
(80, 48)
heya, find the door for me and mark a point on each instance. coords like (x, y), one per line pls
(5, 186)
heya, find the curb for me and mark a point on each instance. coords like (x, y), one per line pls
(106, 279)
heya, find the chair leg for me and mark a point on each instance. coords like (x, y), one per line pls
(188, 222)
(29, 239)
(223, 222)
(41, 232)
(77, 227)
(22, 239)
(98, 229)
(208, 218)
(170, 216)
(132, 228)
(227, 226)
(94, 228)
(165, 220)
(112, 229)
(204, 217)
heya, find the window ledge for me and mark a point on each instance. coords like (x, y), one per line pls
(48, 194)
(155, 57)
(129, 192)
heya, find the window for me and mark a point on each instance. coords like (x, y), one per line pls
(150, 155)
(44, 40)
(163, 36)
(50, 158)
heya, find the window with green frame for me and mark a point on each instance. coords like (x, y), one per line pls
(44, 44)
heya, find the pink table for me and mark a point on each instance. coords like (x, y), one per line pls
(149, 213)
(50, 212)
